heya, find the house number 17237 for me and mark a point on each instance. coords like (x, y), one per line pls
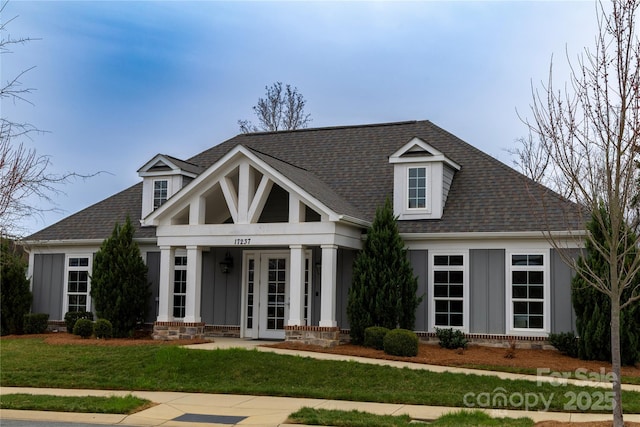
(242, 241)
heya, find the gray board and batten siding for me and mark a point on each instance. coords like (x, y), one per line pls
(221, 296)
(48, 285)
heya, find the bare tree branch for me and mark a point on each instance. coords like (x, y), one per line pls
(23, 172)
(281, 109)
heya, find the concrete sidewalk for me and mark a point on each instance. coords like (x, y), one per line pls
(175, 409)
(200, 409)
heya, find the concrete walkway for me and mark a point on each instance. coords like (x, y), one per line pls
(200, 409)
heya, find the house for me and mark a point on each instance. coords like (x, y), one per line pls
(256, 237)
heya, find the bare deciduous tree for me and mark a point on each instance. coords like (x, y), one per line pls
(281, 109)
(531, 159)
(590, 131)
(23, 172)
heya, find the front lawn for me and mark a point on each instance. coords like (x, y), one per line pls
(86, 404)
(30, 362)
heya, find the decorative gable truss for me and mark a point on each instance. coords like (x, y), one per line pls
(422, 179)
(240, 189)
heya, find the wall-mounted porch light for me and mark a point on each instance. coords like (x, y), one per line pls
(226, 264)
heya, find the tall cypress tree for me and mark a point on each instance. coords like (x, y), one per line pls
(593, 309)
(15, 296)
(119, 285)
(383, 289)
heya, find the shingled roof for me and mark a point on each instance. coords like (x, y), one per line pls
(348, 169)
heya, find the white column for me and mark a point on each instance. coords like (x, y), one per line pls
(328, 286)
(194, 284)
(166, 284)
(296, 286)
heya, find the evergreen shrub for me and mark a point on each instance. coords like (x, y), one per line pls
(15, 295)
(451, 338)
(593, 307)
(119, 285)
(35, 323)
(383, 289)
(103, 329)
(565, 343)
(374, 337)
(401, 342)
(71, 317)
(83, 327)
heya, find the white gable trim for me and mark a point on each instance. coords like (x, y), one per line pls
(418, 145)
(223, 166)
(145, 170)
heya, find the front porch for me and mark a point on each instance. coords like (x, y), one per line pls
(264, 294)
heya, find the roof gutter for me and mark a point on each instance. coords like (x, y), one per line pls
(355, 221)
(533, 235)
(79, 242)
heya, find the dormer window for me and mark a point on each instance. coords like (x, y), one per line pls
(160, 192)
(422, 178)
(417, 188)
(162, 177)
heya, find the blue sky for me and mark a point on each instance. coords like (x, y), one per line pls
(118, 82)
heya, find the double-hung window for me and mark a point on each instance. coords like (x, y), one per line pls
(449, 290)
(528, 289)
(417, 188)
(160, 192)
(78, 285)
(179, 286)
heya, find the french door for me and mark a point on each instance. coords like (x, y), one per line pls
(266, 285)
(274, 295)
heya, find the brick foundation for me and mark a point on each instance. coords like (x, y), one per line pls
(178, 331)
(221, 331)
(313, 335)
(494, 340)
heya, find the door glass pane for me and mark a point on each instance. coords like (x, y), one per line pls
(276, 297)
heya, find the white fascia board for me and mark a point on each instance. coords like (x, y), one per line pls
(29, 244)
(168, 173)
(489, 240)
(355, 221)
(495, 235)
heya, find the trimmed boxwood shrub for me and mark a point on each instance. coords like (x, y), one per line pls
(451, 338)
(83, 327)
(374, 337)
(35, 323)
(565, 343)
(72, 316)
(401, 342)
(103, 329)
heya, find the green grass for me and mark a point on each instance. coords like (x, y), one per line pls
(87, 404)
(325, 417)
(29, 362)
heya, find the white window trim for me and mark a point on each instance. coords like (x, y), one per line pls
(465, 289)
(427, 189)
(153, 192)
(546, 309)
(67, 269)
(176, 254)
